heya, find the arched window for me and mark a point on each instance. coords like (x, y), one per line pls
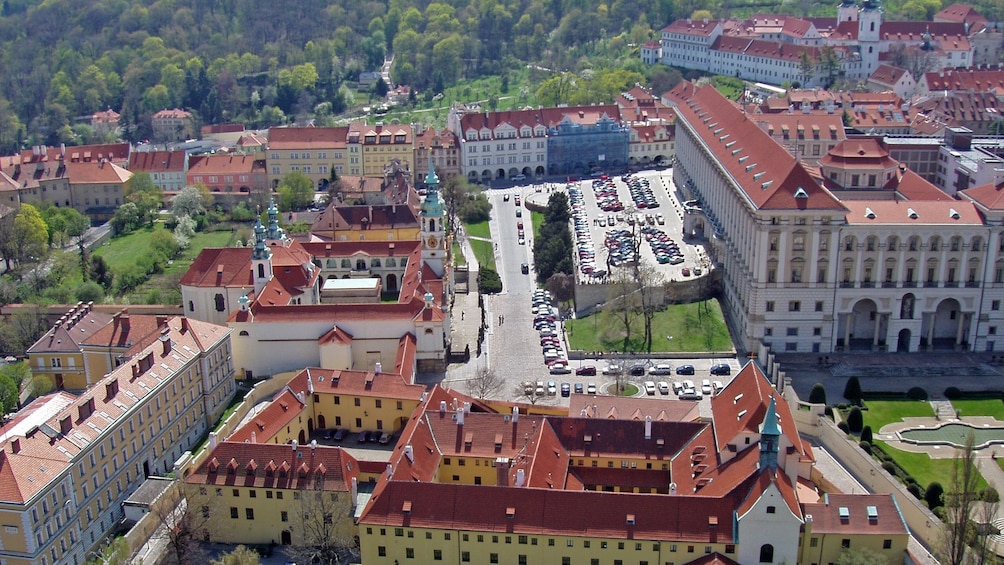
(191, 306)
(977, 244)
(391, 262)
(375, 263)
(244, 333)
(766, 553)
(261, 270)
(849, 244)
(935, 243)
(346, 264)
(432, 225)
(220, 303)
(360, 264)
(871, 243)
(956, 244)
(893, 243)
(914, 243)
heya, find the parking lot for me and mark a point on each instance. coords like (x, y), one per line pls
(611, 213)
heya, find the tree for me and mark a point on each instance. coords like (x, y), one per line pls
(866, 434)
(527, 392)
(100, 273)
(485, 383)
(114, 552)
(8, 394)
(147, 197)
(852, 390)
(162, 243)
(21, 329)
(322, 526)
(818, 394)
(649, 282)
(127, 218)
(184, 232)
(806, 67)
(855, 420)
(241, 555)
(29, 236)
(960, 501)
(934, 494)
(189, 202)
(19, 373)
(296, 191)
(986, 518)
(90, 291)
(184, 512)
(380, 88)
(622, 304)
(861, 556)
(561, 286)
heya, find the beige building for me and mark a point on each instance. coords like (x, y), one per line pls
(315, 152)
(172, 125)
(372, 148)
(69, 462)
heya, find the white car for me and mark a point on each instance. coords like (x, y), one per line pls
(661, 369)
(650, 388)
(591, 388)
(717, 385)
(613, 369)
(521, 241)
(663, 387)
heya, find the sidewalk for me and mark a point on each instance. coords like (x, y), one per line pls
(466, 319)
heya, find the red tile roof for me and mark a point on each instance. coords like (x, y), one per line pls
(264, 425)
(364, 218)
(73, 328)
(125, 330)
(220, 267)
(859, 153)
(965, 79)
(548, 117)
(768, 175)
(826, 515)
(404, 363)
(887, 75)
(307, 138)
(988, 196)
(157, 161)
(928, 213)
(689, 26)
(277, 466)
(172, 114)
(961, 13)
(223, 165)
(356, 383)
(764, 48)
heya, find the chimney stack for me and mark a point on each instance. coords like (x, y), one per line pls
(165, 340)
(294, 445)
(15, 445)
(460, 417)
(212, 440)
(648, 427)
(502, 471)
(409, 453)
(515, 414)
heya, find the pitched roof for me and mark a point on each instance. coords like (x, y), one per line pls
(277, 466)
(989, 196)
(961, 13)
(282, 410)
(307, 138)
(96, 172)
(157, 161)
(547, 117)
(364, 217)
(224, 164)
(72, 329)
(172, 114)
(125, 330)
(965, 79)
(888, 75)
(827, 519)
(356, 383)
(928, 213)
(621, 408)
(220, 267)
(768, 176)
(689, 26)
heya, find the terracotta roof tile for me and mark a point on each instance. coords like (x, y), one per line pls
(887, 520)
(337, 467)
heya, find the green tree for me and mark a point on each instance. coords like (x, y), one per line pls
(861, 556)
(866, 434)
(855, 420)
(960, 499)
(806, 67)
(19, 373)
(189, 202)
(163, 244)
(30, 237)
(90, 291)
(22, 329)
(8, 394)
(100, 273)
(127, 218)
(934, 494)
(296, 191)
(114, 552)
(241, 555)
(147, 197)
(818, 394)
(852, 390)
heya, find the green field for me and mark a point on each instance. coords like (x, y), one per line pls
(923, 468)
(484, 252)
(982, 407)
(882, 412)
(537, 218)
(458, 255)
(479, 229)
(690, 330)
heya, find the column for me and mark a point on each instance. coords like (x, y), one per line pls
(878, 325)
(849, 321)
(930, 331)
(958, 332)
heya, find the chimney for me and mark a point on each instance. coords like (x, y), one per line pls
(460, 416)
(111, 388)
(184, 325)
(355, 490)
(409, 453)
(254, 437)
(442, 407)
(15, 445)
(502, 471)
(165, 340)
(161, 321)
(467, 408)
(672, 488)
(648, 427)
(390, 470)
(377, 367)
(65, 425)
(212, 440)
(124, 320)
(520, 477)
(313, 445)
(294, 445)
(515, 414)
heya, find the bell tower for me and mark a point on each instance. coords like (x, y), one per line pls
(433, 218)
(261, 259)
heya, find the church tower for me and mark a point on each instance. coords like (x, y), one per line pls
(770, 435)
(274, 231)
(433, 218)
(847, 11)
(870, 21)
(261, 258)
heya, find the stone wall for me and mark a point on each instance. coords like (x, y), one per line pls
(590, 297)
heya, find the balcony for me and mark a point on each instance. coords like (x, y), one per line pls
(889, 284)
(951, 284)
(846, 284)
(909, 284)
(867, 284)
(930, 284)
(972, 284)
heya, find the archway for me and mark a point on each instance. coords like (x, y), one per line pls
(538, 171)
(286, 538)
(310, 425)
(944, 328)
(391, 282)
(486, 175)
(302, 438)
(472, 176)
(513, 171)
(903, 343)
(321, 423)
(862, 326)
(500, 174)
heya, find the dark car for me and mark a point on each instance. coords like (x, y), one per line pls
(362, 437)
(637, 370)
(374, 437)
(578, 388)
(721, 369)
(685, 370)
(339, 434)
(566, 389)
(587, 371)
(385, 438)
(525, 268)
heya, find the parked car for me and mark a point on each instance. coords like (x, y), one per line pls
(613, 369)
(519, 178)
(525, 268)
(327, 434)
(385, 438)
(340, 434)
(578, 388)
(663, 387)
(650, 388)
(552, 388)
(591, 388)
(566, 389)
(539, 390)
(685, 370)
(690, 394)
(661, 369)
(586, 371)
(717, 385)
(558, 368)
(721, 369)
(637, 370)
(362, 437)
(505, 198)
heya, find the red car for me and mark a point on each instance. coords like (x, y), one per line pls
(587, 371)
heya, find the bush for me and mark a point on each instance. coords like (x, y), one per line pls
(916, 491)
(842, 406)
(934, 495)
(866, 434)
(866, 447)
(489, 281)
(855, 420)
(889, 467)
(828, 411)
(917, 393)
(818, 394)
(843, 427)
(90, 291)
(852, 390)
(952, 393)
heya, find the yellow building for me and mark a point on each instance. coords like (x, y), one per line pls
(68, 462)
(841, 522)
(268, 493)
(367, 223)
(59, 354)
(315, 152)
(372, 148)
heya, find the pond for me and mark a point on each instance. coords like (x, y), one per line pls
(953, 434)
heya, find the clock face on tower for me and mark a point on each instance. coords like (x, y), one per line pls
(433, 242)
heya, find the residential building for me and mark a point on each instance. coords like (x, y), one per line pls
(895, 79)
(919, 154)
(231, 178)
(807, 136)
(10, 197)
(798, 245)
(105, 122)
(442, 147)
(651, 144)
(367, 223)
(377, 147)
(69, 462)
(847, 521)
(979, 111)
(172, 125)
(651, 52)
(313, 151)
(961, 79)
(224, 133)
(167, 169)
(965, 162)
(59, 355)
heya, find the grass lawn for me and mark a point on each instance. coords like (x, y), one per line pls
(882, 412)
(484, 252)
(923, 468)
(690, 331)
(479, 229)
(537, 218)
(124, 250)
(983, 407)
(458, 255)
(629, 389)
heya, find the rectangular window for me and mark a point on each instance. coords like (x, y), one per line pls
(493, 557)
(770, 305)
(887, 544)
(465, 556)
(845, 543)
(284, 516)
(234, 513)
(409, 552)
(794, 306)
(249, 513)
(792, 331)
(437, 554)
(382, 551)
(995, 305)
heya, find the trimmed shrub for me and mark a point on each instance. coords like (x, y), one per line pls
(855, 420)
(89, 291)
(866, 447)
(818, 394)
(828, 411)
(489, 281)
(889, 467)
(934, 495)
(866, 434)
(915, 490)
(952, 393)
(852, 390)
(843, 427)
(917, 393)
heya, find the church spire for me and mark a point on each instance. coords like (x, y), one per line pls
(770, 433)
(432, 206)
(274, 231)
(261, 251)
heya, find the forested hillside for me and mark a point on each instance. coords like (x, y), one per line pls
(261, 61)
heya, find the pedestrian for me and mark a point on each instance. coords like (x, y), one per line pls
(462, 314)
